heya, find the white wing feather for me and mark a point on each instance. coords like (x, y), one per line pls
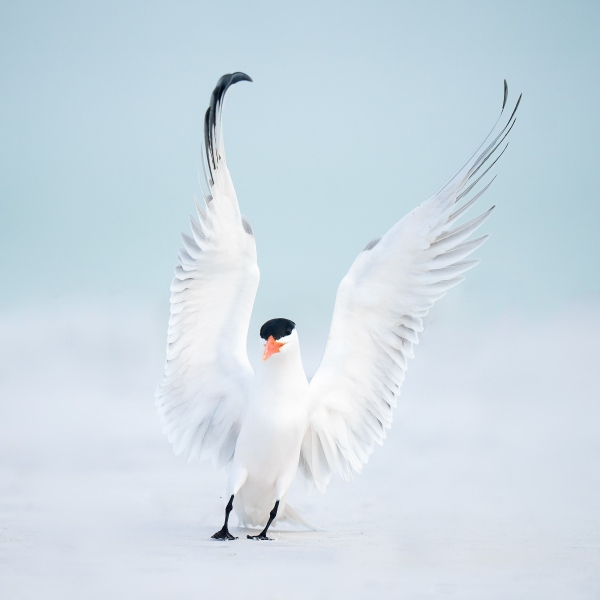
(377, 319)
(201, 396)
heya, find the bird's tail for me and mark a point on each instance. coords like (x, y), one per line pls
(292, 517)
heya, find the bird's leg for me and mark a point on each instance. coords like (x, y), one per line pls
(263, 534)
(224, 534)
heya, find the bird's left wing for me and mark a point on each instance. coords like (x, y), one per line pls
(201, 396)
(378, 316)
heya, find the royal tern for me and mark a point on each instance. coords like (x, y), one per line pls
(266, 425)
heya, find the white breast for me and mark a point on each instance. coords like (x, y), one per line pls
(268, 447)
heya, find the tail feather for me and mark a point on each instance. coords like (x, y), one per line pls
(291, 516)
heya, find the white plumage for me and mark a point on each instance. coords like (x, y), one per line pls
(265, 425)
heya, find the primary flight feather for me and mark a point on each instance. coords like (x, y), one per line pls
(266, 425)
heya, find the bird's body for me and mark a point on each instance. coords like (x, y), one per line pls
(268, 447)
(268, 425)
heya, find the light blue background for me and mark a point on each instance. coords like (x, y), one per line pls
(358, 112)
(488, 484)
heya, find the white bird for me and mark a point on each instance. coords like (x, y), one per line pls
(267, 425)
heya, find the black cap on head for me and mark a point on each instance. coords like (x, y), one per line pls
(278, 328)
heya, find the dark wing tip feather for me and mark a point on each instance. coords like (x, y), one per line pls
(210, 118)
(505, 94)
(515, 108)
(207, 138)
(239, 76)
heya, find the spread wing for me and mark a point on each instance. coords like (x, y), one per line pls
(378, 316)
(201, 394)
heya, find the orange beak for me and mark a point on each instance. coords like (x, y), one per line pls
(271, 347)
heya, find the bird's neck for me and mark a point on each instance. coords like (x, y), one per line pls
(283, 371)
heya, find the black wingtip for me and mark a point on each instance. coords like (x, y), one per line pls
(505, 94)
(518, 101)
(516, 106)
(224, 84)
(210, 119)
(239, 76)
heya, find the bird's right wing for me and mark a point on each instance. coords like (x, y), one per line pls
(201, 395)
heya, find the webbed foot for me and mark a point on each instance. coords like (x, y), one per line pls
(223, 534)
(260, 536)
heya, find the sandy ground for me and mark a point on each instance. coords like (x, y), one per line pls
(488, 485)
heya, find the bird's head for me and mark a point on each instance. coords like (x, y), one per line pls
(278, 333)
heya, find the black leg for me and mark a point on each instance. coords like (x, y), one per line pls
(263, 534)
(224, 534)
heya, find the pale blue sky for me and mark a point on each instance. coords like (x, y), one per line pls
(358, 112)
